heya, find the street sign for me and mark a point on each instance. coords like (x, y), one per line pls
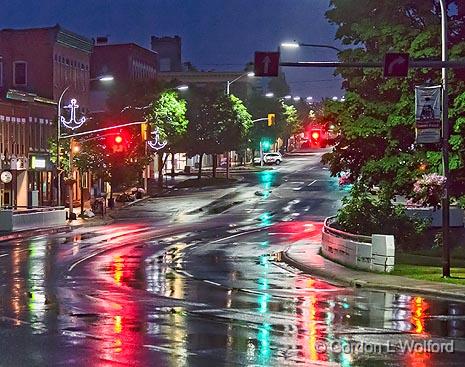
(396, 65)
(266, 63)
(428, 114)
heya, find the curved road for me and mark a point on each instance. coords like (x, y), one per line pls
(193, 279)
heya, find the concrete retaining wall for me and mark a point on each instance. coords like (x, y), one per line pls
(435, 216)
(11, 220)
(377, 255)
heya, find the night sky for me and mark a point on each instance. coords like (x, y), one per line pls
(216, 34)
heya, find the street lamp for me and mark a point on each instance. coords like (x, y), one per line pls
(103, 78)
(288, 97)
(309, 98)
(269, 95)
(182, 87)
(250, 74)
(295, 44)
(296, 99)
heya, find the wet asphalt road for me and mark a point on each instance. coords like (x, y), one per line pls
(193, 279)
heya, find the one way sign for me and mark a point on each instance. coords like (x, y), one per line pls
(266, 63)
(396, 65)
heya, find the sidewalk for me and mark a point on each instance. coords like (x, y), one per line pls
(306, 257)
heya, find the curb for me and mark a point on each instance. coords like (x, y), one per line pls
(357, 283)
(34, 232)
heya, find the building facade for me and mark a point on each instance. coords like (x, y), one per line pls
(36, 66)
(169, 50)
(126, 63)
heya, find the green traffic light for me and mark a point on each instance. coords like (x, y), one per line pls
(266, 144)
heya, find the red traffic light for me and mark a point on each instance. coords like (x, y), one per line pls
(118, 139)
(315, 135)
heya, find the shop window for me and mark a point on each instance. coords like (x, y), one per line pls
(20, 73)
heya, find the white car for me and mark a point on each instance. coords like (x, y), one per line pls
(269, 158)
(273, 158)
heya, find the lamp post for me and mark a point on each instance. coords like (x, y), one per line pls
(250, 74)
(103, 78)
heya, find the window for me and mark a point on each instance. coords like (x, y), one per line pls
(20, 73)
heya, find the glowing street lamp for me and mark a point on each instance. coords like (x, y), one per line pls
(182, 88)
(249, 74)
(294, 45)
(269, 95)
(288, 97)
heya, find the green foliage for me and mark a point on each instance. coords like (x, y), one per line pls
(218, 123)
(168, 116)
(366, 214)
(376, 121)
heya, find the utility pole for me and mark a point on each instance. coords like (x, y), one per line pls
(445, 145)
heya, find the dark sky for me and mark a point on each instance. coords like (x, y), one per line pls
(216, 34)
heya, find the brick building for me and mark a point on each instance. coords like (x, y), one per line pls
(36, 65)
(126, 62)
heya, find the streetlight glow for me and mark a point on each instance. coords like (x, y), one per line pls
(106, 78)
(290, 45)
(269, 95)
(288, 97)
(309, 98)
(297, 98)
(182, 87)
(334, 98)
(251, 74)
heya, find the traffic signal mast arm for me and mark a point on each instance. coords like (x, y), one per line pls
(102, 129)
(452, 64)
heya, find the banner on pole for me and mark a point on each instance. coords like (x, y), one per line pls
(428, 115)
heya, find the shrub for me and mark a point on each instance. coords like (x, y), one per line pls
(366, 214)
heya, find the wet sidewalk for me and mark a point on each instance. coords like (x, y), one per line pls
(306, 257)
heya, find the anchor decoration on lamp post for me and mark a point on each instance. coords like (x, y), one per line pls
(155, 143)
(73, 123)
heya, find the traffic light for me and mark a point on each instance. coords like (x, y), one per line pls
(145, 131)
(271, 119)
(266, 145)
(315, 136)
(117, 142)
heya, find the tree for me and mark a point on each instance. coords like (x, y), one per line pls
(218, 123)
(168, 117)
(376, 121)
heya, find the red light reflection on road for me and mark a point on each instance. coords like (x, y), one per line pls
(297, 230)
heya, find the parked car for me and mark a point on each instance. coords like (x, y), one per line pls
(273, 158)
(270, 158)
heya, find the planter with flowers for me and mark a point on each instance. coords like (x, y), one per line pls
(425, 201)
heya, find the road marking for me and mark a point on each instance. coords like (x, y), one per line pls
(311, 183)
(3, 255)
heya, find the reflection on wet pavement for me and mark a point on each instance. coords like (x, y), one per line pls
(209, 294)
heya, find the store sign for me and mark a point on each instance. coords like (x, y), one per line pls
(6, 177)
(428, 115)
(38, 162)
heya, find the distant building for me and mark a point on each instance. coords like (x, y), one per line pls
(125, 62)
(170, 53)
